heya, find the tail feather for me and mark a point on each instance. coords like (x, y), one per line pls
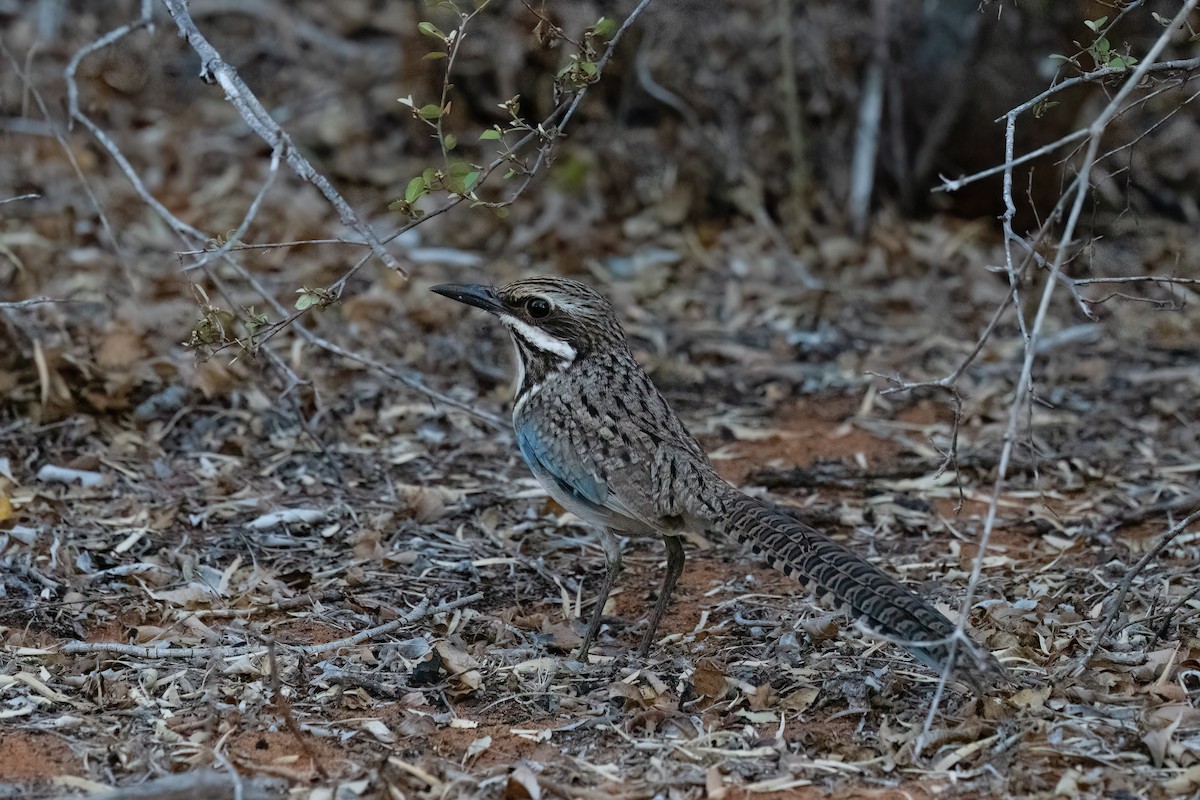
(868, 594)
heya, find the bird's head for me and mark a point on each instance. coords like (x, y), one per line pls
(552, 320)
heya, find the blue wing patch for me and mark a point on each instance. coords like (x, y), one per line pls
(573, 478)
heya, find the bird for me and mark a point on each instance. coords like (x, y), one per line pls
(605, 444)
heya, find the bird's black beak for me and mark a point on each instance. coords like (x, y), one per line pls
(472, 294)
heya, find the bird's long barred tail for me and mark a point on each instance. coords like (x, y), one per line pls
(857, 586)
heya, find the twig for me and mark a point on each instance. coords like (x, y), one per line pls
(420, 611)
(33, 301)
(1140, 279)
(555, 31)
(411, 381)
(1113, 606)
(1173, 610)
(1024, 385)
(248, 217)
(954, 184)
(275, 245)
(18, 198)
(547, 131)
(56, 131)
(1182, 65)
(1025, 382)
(190, 234)
(283, 707)
(191, 785)
(214, 68)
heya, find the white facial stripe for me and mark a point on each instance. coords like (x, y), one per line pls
(539, 340)
(520, 367)
(524, 398)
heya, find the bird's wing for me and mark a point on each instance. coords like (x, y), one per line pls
(577, 476)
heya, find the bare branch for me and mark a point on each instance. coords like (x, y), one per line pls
(954, 184)
(1185, 65)
(18, 198)
(1024, 382)
(1023, 396)
(420, 611)
(33, 301)
(238, 245)
(1140, 279)
(214, 68)
(1114, 603)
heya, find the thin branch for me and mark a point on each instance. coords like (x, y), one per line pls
(1024, 382)
(950, 380)
(181, 228)
(1114, 603)
(406, 379)
(190, 234)
(248, 217)
(548, 131)
(18, 198)
(420, 611)
(1024, 385)
(1182, 65)
(1139, 279)
(954, 184)
(273, 246)
(214, 68)
(33, 301)
(56, 131)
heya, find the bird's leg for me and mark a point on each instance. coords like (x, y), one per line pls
(675, 557)
(612, 559)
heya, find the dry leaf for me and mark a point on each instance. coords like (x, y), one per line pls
(1158, 741)
(763, 697)
(379, 730)
(475, 748)
(1185, 782)
(522, 785)
(800, 699)
(709, 679)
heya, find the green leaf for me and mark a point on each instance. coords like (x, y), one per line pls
(490, 134)
(434, 55)
(1102, 48)
(450, 141)
(460, 168)
(1095, 24)
(604, 27)
(416, 187)
(588, 68)
(1059, 57)
(306, 299)
(429, 111)
(469, 180)
(432, 31)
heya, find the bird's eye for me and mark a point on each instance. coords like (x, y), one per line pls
(537, 307)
